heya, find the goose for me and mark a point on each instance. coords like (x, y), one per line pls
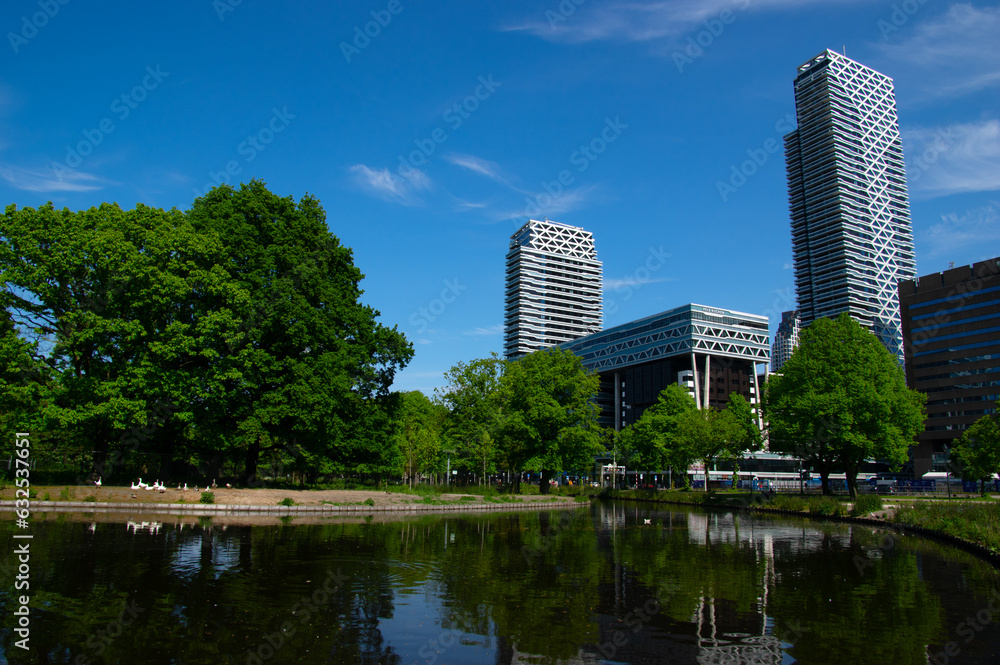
(152, 487)
(178, 485)
(98, 481)
(137, 486)
(228, 486)
(213, 483)
(185, 487)
(645, 521)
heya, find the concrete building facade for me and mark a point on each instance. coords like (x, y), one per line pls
(786, 338)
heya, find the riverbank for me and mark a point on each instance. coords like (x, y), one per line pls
(278, 501)
(969, 523)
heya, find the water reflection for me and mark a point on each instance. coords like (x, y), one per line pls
(622, 583)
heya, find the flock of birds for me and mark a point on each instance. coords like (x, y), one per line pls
(157, 486)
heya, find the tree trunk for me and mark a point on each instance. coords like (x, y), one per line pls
(852, 484)
(543, 483)
(706, 475)
(252, 458)
(824, 477)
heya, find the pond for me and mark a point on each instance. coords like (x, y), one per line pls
(623, 583)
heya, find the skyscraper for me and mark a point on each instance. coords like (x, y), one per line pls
(554, 287)
(852, 239)
(786, 338)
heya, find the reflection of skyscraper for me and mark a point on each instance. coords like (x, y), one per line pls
(786, 338)
(851, 234)
(554, 287)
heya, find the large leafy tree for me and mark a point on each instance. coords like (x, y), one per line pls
(977, 451)
(472, 400)
(653, 442)
(548, 416)
(842, 399)
(225, 333)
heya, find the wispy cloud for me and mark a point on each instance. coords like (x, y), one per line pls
(391, 187)
(48, 181)
(954, 159)
(492, 330)
(478, 165)
(541, 204)
(631, 21)
(951, 54)
(963, 235)
(618, 284)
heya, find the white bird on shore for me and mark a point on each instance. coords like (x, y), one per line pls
(213, 483)
(139, 485)
(185, 487)
(228, 486)
(98, 481)
(645, 521)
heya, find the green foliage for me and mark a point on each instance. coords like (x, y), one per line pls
(369, 501)
(548, 420)
(655, 441)
(90, 498)
(66, 494)
(287, 501)
(841, 399)
(226, 335)
(419, 434)
(977, 522)
(472, 400)
(866, 504)
(977, 451)
(207, 497)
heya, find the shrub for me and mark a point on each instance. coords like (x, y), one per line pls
(207, 497)
(46, 497)
(90, 498)
(369, 501)
(287, 501)
(865, 504)
(66, 494)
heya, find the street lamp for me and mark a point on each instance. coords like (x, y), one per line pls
(449, 451)
(947, 470)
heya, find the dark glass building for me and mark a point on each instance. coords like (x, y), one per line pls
(951, 333)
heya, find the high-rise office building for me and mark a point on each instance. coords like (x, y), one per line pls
(951, 323)
(786, 338)
(852, 239)
(554, 287)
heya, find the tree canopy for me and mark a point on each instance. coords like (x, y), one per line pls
(174, 342)
(842, 399)
(977, 451)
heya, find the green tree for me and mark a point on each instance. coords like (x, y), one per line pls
(712, 434)
(472, 400)
(653, 442)
(842, 399)
(548, 416)
(977, 451)
(419, 437)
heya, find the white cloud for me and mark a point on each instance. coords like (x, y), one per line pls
(951, 54)
(963, 235)
(633, 282)
(478, 165)
(385, 184)
(954, 159)
(50, 181)
(631, 21)
(492, 330)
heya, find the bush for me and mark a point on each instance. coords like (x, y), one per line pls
(91, 498)
(287, 501)
(369, 501)
(865, 504)
(207, 497)
(66, 494)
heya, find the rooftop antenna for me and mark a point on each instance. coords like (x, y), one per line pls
(843, 47)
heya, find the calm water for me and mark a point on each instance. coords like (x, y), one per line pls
(589, 585)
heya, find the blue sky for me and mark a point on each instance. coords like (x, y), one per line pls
(431, 131)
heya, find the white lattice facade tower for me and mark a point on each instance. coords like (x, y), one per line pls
(786, 338)
(852, 238)
(554, 287)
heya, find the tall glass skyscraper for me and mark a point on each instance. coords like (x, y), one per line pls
(554, 287)
(852, 239)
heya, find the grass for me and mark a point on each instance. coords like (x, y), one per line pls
(976, 522)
